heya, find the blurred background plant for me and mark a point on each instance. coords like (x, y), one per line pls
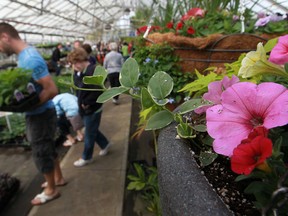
(220, 16)
(160, 57)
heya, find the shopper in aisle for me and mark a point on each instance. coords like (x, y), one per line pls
(55, 60)
(40, 136)
(89, 109)
(113, 62)
(124, 50)
(77, 44)
(88, 49)
(67, 110)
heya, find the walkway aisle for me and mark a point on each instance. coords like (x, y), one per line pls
(96, 189)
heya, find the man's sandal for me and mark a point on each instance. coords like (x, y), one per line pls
(43, 198)
(44, 185)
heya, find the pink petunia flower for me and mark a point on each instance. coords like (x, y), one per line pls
(279, 54)
(194, 12)
(215, 90)
(243, 107)
(262, 21)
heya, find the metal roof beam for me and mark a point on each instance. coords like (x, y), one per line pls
(49, 12)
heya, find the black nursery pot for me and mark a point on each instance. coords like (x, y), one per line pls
(26, 104)
(184, 191)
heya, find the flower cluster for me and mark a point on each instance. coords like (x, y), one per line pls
(184, 26)
(273, 23)
(249, 123)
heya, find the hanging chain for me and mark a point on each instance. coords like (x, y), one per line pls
(242, 17)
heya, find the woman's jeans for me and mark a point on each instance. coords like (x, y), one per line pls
(93, 134)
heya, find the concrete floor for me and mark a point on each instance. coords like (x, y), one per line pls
(96, 189)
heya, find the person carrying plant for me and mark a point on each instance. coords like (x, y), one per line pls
(41, 121)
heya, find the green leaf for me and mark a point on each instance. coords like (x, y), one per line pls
(192, 104)
(286, 67)
(94, 80)
(159, 120)
(135, 186)
(110, 93)
(185, 132)
(199, 84)
(140, 171)
(207, 158)
(161, 102)
(100, 71)
(160, 85)
(133, 178)
(200, 128)
(270, 44)
(146, 99)
(129, 73)
(66, 83)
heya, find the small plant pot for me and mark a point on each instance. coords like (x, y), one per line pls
(26, 104)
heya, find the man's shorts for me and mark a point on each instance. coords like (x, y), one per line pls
(40, 131)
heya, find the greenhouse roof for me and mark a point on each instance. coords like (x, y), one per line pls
(71, 18)
(79, 18)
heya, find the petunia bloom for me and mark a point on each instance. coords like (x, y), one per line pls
(262, 21)
(256, 63)
(190, 31)
(279, 54)
(215, 90)
(169, 25)
(243, 107)
(247, 156)
(194, 12)
(179, 25)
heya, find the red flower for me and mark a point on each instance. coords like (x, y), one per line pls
(169, 25)
(258, 131)
(250, 155)
(190, 30)
(193, 13)
(179, 26)
(142, 29)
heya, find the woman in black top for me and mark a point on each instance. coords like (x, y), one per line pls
(88, 108)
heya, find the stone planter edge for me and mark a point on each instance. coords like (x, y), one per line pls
(184, 191)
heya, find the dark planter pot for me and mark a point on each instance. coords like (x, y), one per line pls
(184, 191)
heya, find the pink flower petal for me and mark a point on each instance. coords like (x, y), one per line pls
(245, 106)
(279, 54)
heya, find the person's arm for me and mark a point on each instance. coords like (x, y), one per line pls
(49, 90)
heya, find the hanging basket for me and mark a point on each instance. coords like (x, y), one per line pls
(214, 50)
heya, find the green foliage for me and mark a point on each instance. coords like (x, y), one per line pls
(145, 181)
(18, 128)
(280, 27)
(12, 79)
(60, 80)
(159, 57)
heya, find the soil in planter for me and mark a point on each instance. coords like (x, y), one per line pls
(222, 179)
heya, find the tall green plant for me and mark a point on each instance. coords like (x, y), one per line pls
(145, 181)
